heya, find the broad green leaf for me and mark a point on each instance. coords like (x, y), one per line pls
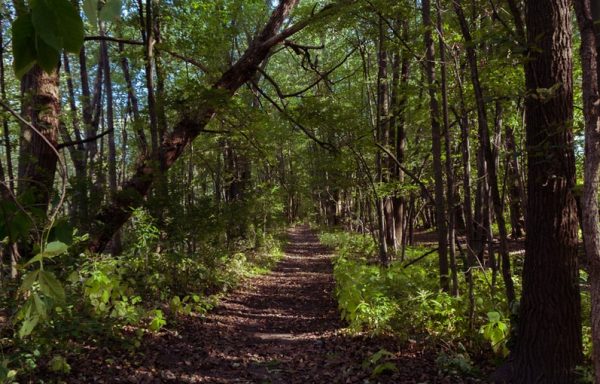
(111, 10)
(55, 248)
(62, 231)
(28, 326)
(39, 306)
(71, 25)
(28, 281)
(50, 286)
(47, 23)
(493, 317)
(90, 8)
(24, 52)
(58, 24)
(52, 249)
(47, 57)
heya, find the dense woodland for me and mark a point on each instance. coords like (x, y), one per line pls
(154, 154)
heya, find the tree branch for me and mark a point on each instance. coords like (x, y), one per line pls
(83, 141)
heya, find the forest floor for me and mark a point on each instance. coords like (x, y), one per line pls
(283, 327)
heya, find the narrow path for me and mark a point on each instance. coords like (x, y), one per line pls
(280, 328)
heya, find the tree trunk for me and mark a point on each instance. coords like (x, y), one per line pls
(383, 127)
(37, 160)
(436, 148)
(514, 185)
(548, 346)
(6, 133)
(586, 16)
(447, 142)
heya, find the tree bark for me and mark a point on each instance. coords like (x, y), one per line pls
(586, 16)
(548, 345)
(37, 160)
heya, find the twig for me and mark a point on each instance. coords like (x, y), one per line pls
(420, 258)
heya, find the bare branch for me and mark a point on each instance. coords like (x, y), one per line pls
(83, 141)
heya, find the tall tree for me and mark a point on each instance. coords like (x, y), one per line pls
(548, 345)
(436, 147)
(587, 15)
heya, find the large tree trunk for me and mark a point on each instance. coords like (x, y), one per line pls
(548, 346)
(38, 160)
(436, 148)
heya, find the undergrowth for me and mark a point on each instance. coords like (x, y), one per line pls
(405, 300)
(117, 300)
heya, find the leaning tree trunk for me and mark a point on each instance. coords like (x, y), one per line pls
(548, 345)
(112, 216)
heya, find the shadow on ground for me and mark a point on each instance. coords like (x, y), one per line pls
(280, 328)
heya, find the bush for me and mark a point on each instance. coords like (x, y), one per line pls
(407, 300)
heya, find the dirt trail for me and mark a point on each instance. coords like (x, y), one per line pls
(279, 328)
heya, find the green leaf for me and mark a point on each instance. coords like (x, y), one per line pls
(46, 23)
(71, 25)
(28, 281)
(90, 8)
(50, 286)
(52, 249)
(111, 10)
(493, 317)
(58, 24)
(28, 326)
(39, 306)
(24, 52)
(55, 248)
(47, 56)
(62, 231)
(385, 367)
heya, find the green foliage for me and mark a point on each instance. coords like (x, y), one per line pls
(496, 331)
(105, 297)
(456, 364)
(59, 364)
(408, 302)
(377, 364)
(157, 321)
(43, 291)
(7, 375)
(41, 32)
